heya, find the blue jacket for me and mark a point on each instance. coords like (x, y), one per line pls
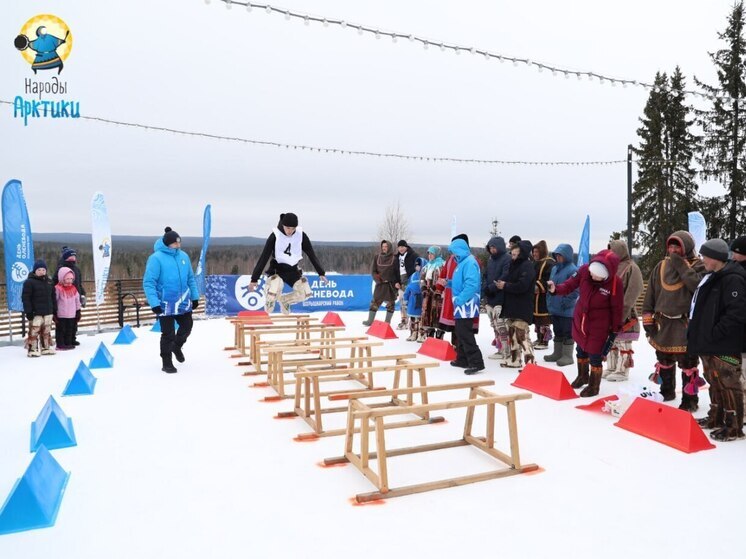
(466, 281)
(169, 281)
(558, 305)
(413, 296)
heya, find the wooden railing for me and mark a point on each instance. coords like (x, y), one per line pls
(124, 303)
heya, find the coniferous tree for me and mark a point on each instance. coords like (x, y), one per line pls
(649, 198)
(724, 124)
(666, 190)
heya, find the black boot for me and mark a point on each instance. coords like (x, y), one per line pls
(168, 365)
(689, 402)
(731, 431)
(178, 353)
(713, 419)
(668, 383)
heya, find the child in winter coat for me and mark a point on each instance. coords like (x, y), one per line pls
(39, 305)
(68, 308)
(413, 298)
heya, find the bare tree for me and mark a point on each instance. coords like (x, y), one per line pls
(394, 226)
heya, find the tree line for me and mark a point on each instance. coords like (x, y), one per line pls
(682, 147)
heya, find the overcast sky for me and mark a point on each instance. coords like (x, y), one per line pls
(184, 64)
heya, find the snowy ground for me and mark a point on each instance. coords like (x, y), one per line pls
(192, 465)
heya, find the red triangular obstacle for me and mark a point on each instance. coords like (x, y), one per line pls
(381, 330)
(253, 313)
(597, 405)
(333, 319)
(665, 424)
(544, 381)
(440, 349)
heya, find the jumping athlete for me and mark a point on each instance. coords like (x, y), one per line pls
(285, 246)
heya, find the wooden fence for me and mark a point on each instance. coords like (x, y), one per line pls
(124, 303)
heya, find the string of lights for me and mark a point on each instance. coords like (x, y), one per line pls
(378, 33)
(347, 151)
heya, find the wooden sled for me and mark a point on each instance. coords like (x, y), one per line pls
(363, 419)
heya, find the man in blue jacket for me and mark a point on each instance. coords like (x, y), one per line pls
(172, 295)
(465, 286)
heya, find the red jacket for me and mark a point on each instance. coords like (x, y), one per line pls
(598, 311)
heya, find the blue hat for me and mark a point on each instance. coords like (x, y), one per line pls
(68, 253)
(39, 264)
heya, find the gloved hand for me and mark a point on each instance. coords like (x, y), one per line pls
(157, 310)
(677, 262)
(608, 344)
(54, 318)
(30, 316)
(82, 301)
(649, 324)
(77, 316)
(195, 304)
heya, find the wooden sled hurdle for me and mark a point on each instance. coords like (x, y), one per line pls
(308, 393)
(241, 323)
(315, 349)
(365, 420)
(280, 363)
(289, 336)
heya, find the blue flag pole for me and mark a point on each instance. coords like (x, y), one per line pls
(18, 245)
(202, 262)
(584, 248)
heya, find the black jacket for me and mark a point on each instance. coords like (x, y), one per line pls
(410, 259)
(519, 287)
(38, 297)
(77, 282)
(717, 324)
(497, 266)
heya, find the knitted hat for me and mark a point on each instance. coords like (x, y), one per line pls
(739, 245)
(515, 239)
(599, 270)
(289, 220)
(716, 249)
(62, 272)
(170, 237)
(39, 264)
(68, 253)
(402, 243)
(434, 250)
(461, 236)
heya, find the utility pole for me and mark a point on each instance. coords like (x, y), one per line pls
(629, 199)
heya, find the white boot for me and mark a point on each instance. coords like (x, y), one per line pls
(273, 287)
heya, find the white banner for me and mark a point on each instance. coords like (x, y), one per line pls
(698, 229)
(101, 240)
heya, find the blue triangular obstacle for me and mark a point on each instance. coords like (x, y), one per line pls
(35, 498)
(52, 429)
(102, 359)
(157, 326)
(126, 335)
(82, 382)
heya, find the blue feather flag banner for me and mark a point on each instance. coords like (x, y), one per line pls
(584, 248)
(206, 228)
(698, 228)
(101, 243)
(19, 247)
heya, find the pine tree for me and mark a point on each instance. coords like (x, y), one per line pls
(681, 149)
(649, 197)
(724, 125)
(666, 189)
